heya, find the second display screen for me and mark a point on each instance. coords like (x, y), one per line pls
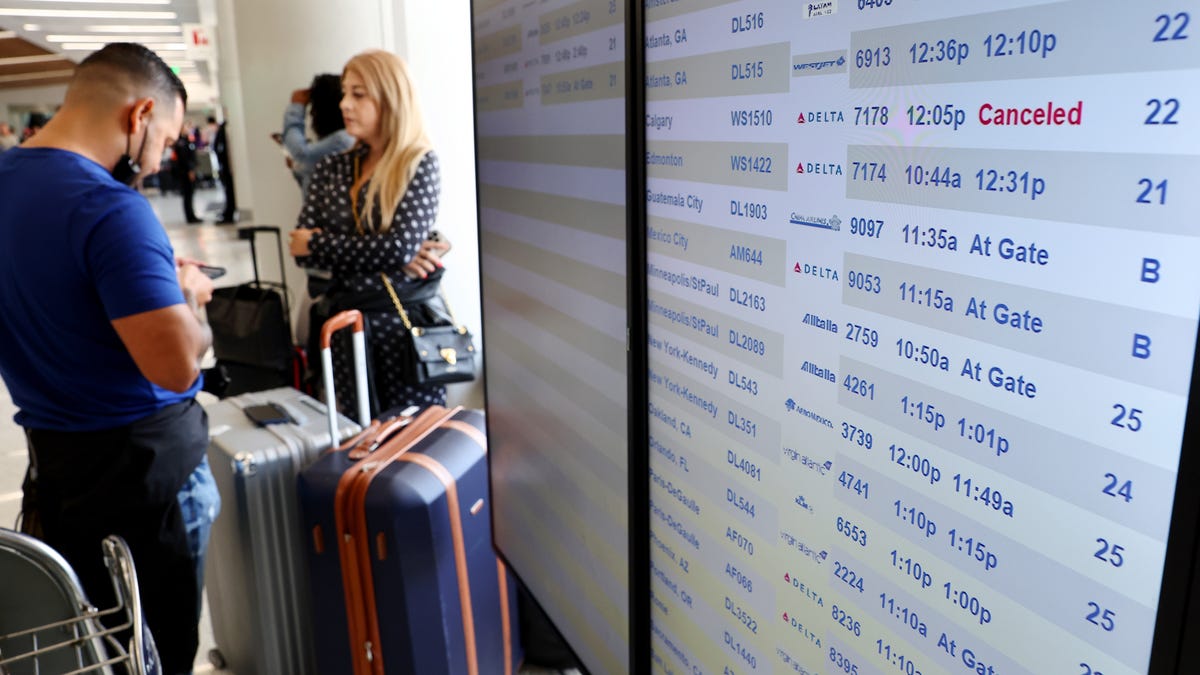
(922, 316)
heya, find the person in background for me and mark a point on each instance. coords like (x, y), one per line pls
(371, 210)
(322, 99)
(184, 169)
(35, 125)
(207, 133)
(220, 146)
(100, 342)
(8, 140)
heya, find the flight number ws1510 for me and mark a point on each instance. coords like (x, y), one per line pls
(758, 117)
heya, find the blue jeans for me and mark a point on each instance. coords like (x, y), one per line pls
(200, 503)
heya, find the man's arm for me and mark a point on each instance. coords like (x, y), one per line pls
(168, 343)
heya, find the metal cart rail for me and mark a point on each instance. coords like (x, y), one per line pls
(47, 625)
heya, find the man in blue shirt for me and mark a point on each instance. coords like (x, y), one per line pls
(101, 332)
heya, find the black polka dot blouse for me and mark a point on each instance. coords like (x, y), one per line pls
(357, 259)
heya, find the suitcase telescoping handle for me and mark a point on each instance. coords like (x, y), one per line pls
(248, 233)
(349, 318)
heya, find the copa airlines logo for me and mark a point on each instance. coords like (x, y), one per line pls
(823, 8)
(820, 222)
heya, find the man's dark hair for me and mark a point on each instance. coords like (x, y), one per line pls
(141, 65)
(324, 96)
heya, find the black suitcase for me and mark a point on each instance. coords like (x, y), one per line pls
(252, 333)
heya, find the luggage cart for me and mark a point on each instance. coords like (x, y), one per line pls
(47, 624)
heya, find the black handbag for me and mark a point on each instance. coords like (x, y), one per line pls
(439, 350)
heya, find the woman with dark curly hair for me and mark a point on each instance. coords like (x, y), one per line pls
(321, 99)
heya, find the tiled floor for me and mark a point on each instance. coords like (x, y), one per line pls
(207, 242)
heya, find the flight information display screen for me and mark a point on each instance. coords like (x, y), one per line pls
(923, 301)
(551, 145)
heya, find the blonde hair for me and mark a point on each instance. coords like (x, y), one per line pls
(402, 130)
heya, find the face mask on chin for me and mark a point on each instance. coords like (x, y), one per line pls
(127, 168)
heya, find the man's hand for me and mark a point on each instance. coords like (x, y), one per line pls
(196, 285)
(168, 343)
(300, 238)
(428, 259)
(301, 96)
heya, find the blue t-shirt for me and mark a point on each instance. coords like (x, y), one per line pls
(77, 250)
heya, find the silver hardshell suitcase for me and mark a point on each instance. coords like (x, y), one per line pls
(256, 575)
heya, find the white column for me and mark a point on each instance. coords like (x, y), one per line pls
(267, 49)
(437, 40)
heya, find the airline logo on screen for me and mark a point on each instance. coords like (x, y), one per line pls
(826, 168)
(821, 63)
(831, 223)
(823, 8)
(821, 117)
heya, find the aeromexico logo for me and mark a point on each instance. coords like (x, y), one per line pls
(822, 8)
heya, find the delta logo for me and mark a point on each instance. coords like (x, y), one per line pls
(821, 117)
(822, 8)
(819, 168)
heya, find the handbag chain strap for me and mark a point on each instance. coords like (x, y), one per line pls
(404, 315)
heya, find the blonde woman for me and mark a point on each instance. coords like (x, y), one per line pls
(369, 211)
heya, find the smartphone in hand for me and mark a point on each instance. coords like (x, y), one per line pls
(212, 271)
(437, 236)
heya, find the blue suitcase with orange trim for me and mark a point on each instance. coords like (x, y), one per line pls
(404, 576)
